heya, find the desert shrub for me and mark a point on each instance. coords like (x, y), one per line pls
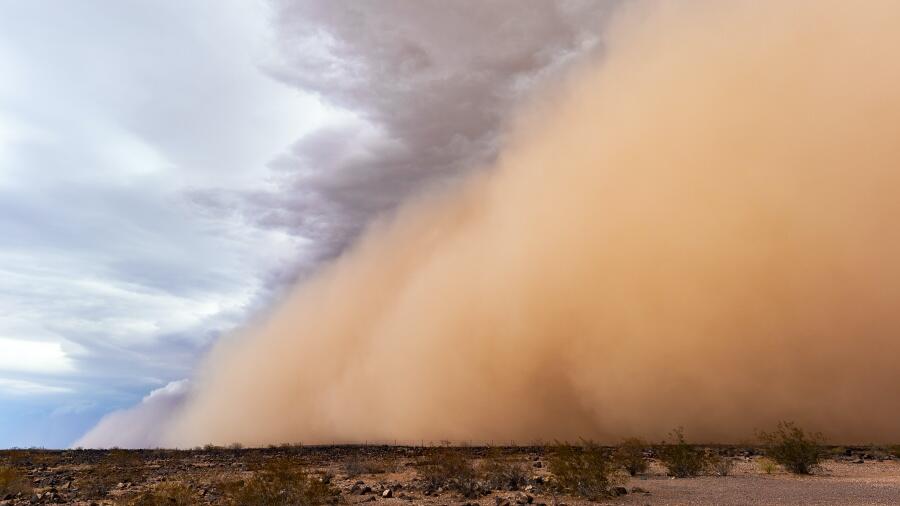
(721, 465)
(681, 459)
(355, 465)
(767, 465)
(586, 470)
(894, 450)
(282, 483)
(501, 472)
(451, 470)
(797, 450)
(630, 456)
(164, 494)
(117, 466)
(13, 482)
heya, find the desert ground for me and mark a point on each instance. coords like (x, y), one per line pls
(401, 475)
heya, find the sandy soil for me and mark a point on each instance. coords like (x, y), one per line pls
(363, 474)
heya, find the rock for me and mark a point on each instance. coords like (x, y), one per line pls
(538, 464)
(619, 491)
(538, 479)
(529, 488)
(524, 498)
(387, 493)
(501, 501)
(639, 490)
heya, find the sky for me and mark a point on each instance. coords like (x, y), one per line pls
(169, 169)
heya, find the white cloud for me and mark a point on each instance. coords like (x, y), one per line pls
(33, 357)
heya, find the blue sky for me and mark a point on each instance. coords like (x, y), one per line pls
(168, 168)
(112, 280)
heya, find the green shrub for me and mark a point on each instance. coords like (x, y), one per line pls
(587, 470)
(630, 456)
(681, 459)
(795, 449)
(13, 482)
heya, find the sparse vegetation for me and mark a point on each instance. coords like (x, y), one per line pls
(630, 456)
(721, 465)
(894, 450)
(282, 483)
(357, 465)
(587, 470)
(449, 469)
(798, 451)
(681, 459)
(164, 494)
(767, 465)
(117, 466)
(12, 482)
(501, 472)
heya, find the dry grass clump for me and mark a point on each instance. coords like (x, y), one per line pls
(501, 472)
(681, 459)
(164, 494)
(587, 470)
(282, 483)
(720, 465)
(355, 465)
(449, 469)
(629, 455)
(767, 465)
(117, 466)
(13, 482)
(798, 451)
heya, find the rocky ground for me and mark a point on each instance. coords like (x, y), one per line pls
(400, 475)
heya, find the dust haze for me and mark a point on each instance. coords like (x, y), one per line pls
(700, 229)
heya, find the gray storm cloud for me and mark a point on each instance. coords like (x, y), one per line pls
(699, 230)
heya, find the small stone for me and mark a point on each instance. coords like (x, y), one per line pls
(387, 493)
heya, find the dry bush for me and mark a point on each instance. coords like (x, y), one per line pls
(355, 465)
(282, 483)
(587, 470)
(501, 472)
(449, 469)
(767, 465)
(13, 482)
(681, 459)
(798, 451)
(630, 456)
(721, 465)
(894, 450)
(117, 466)
(164, 494)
